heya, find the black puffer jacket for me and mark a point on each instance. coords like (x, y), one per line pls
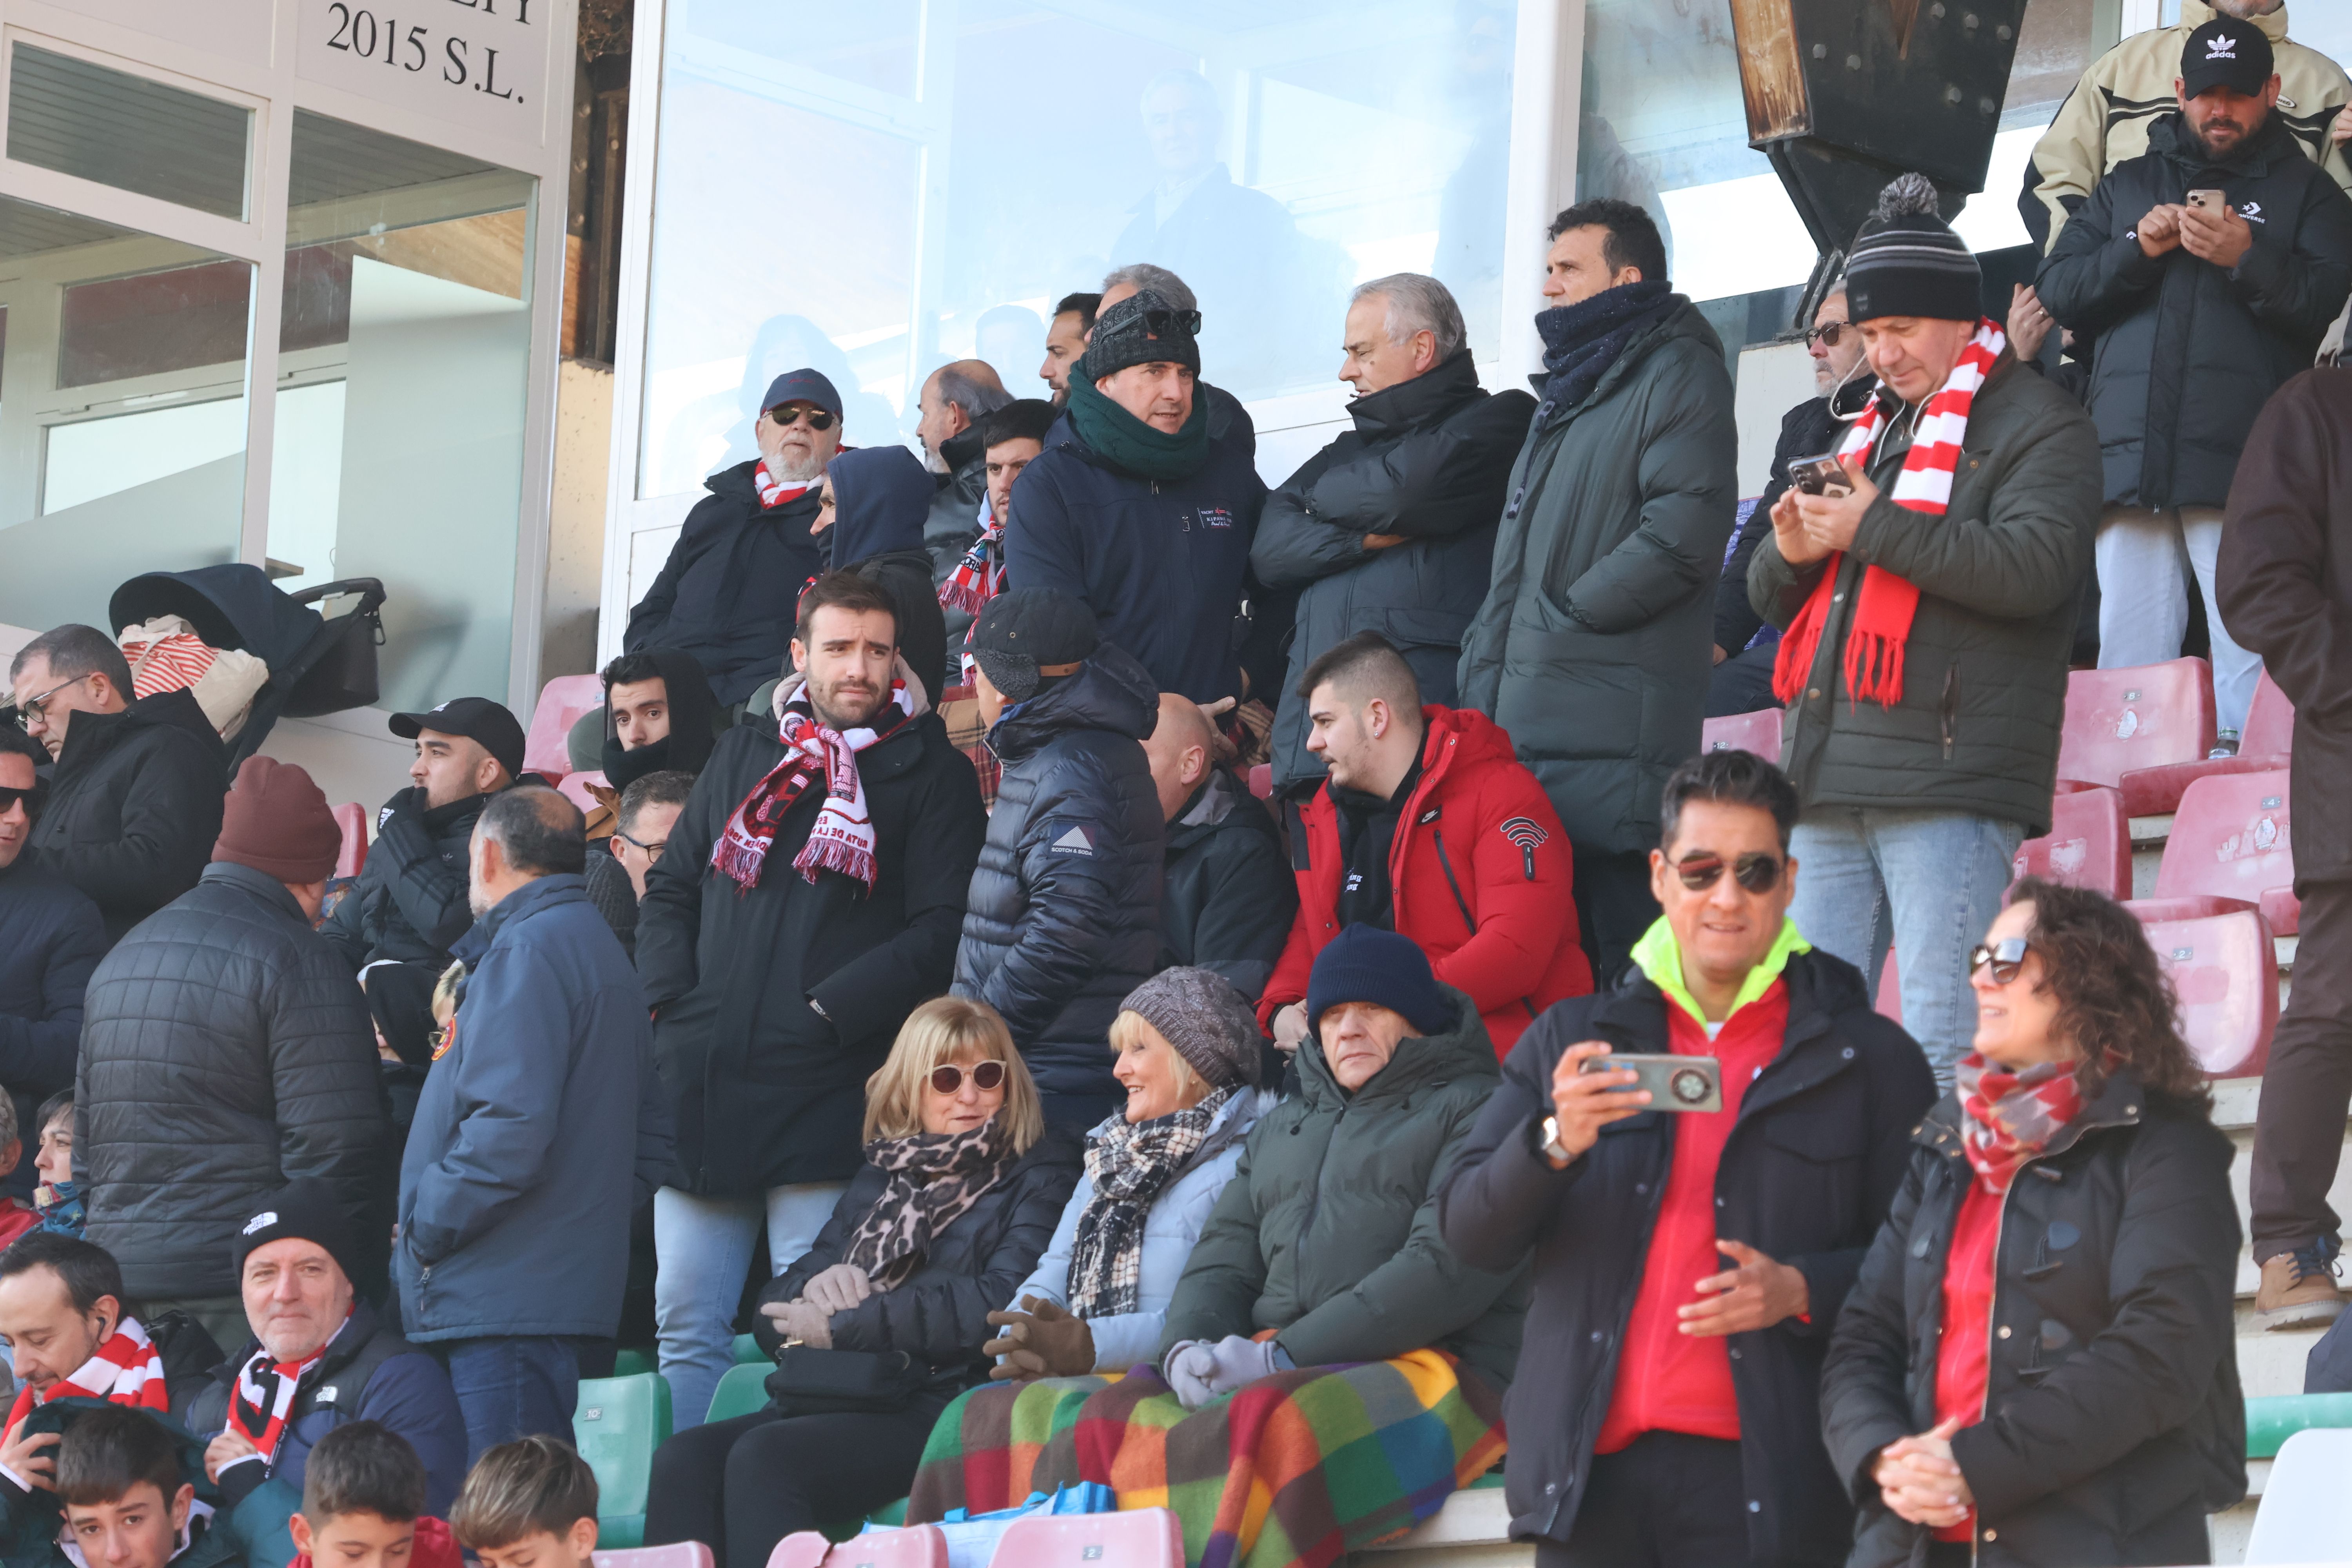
(728, 591)
(1816, 1155)
(1428, 458)
(1064, 917)
(938, 1315)
(135, 806)
(409, 904)
(2189, 352)
(51, 937)
(1229, 894)
(765, 1090)
(2115, 1424)
(224, 1052)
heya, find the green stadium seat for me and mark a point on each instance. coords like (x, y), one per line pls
(749, 1353)
(2270, 1422)
(743, 1390)
(630, 1362)
(618, 1424)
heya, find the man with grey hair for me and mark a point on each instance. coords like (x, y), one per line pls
(1391, 528)
(1228, 420)
(955, 401)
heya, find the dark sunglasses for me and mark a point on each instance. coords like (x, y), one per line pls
(1827, 333)
(2003, 958)
(9, 797)
(1159, 323)
(1755, 871)
(985, 1076)
(818, 419)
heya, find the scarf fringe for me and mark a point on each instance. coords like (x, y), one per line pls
(835, 854)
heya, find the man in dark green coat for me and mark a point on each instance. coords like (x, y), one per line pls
(1976, 483)
(1593, 647)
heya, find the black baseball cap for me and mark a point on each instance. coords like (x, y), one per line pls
(479, 720)
(1030, 635)
(2228, 53)
(802, 385)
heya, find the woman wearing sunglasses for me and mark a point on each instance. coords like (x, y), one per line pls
(881, 1324)
(2038, 1363)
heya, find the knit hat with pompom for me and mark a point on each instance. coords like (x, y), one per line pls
(1907, 261)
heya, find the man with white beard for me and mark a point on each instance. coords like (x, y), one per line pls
(728, 592)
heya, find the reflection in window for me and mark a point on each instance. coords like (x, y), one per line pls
(127, 131)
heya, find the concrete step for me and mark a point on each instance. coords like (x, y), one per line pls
(1471, 1530)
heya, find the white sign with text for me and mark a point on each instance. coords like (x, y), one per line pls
(481, 63)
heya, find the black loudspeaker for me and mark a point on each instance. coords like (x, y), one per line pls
(1843, 95)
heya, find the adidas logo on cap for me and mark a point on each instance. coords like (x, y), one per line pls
(2221, 47)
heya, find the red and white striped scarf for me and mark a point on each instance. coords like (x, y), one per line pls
(775, 492)
(977, 578)
(842, 838)
(261, 1415)
(1883, 607)
(125, 1370)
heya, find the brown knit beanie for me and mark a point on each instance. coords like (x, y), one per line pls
(1197, 1011)
(276, 821)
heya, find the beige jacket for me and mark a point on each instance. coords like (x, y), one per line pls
(2105, 120)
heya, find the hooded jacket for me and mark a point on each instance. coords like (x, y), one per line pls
(727, 592)
(2114, 1422)
(766, 1089)
(1815, 1156)
(2189, 352)
(951, 527)
(1227, 899)
(1591, 648)
(227, 1021)
(1480, 874)
(135, 806)
(51, 937)
(1328, 1232)
(881, 497)
(1427, 458)
(1161, 563)
(1064, 915)
(686, 747)
(410, 904)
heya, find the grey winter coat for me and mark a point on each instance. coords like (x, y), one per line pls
(1591, 649)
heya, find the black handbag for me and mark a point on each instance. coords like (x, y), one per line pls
(812, 1381)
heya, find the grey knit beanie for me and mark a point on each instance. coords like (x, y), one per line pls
(1205, 1019)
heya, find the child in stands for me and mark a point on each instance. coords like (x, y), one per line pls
(56, 1200)
(129, 1498)
(363, 1505)
(530, 1503)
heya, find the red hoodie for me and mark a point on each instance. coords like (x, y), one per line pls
(1482, 875)
(435, 1548)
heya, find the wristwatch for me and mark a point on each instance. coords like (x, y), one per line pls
(1554, 1155)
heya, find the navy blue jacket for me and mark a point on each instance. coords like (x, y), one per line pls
(1063, 918)
(539, 1132)
(1160, 564)
(51, 937)
(729, 589)
(368, 1373)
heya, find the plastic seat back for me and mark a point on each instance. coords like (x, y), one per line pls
(575, 788)
(351, 859)
(2142, 717)
(1260, 780)
(2088, 844)
(2232, 838)
(1759, 732)
(911, 1546)
(2225, 970)
(742, 1389)
(1890, 988)
(2269, 722)
(547, 748)
(2306, 1509)
(1132, 1537)
(618, 1424)
(681, 1554)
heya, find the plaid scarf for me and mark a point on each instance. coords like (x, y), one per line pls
(2012, 1116)
(934, 1177)
(1130, 1162)
(125, 1370)
(979, 575)
(842, 836)
(775, 492)
(261, 1416)
(1885, 606)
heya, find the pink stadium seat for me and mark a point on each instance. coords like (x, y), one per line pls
(2269, 734)
(684, 1554)
(2088, 845)
(546, 750)
(575, 788)
(1132, 1537)
(1260, 780)
(1890, 988)
(1759, 732)
(914, 1546)
(2232, 838)
(351, 817)
(2143, 717)
(2220, 955)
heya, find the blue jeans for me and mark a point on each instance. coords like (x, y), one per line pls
(1931, 882)
(511, 1387)
(703, 1250)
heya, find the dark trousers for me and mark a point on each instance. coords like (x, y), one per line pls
(741, 1486)
(1666, 1500)
(1742, 683)
(2299, 1128)
(512, 1386)
(1613, 908)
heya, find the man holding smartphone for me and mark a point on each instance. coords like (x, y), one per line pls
(1690, 1267)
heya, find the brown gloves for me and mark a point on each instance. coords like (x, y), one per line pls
(1041, 1339)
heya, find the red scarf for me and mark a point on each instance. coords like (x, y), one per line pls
(1883, 607)
(842, 836)
(775, 492)
(124, 1371)
(977, 578)
(2012, 1116)
(261, 1415)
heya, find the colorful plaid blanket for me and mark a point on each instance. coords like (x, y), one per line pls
(1301, 1468)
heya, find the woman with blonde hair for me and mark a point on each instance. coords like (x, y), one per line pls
(881, 1324)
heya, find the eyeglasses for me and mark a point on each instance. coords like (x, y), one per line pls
(785, 417)
(985, 1077)
(652, 852)
(1755, 871)
(2003, 959)
(1159, 323)
(1827, 333)
(10, 796)
(33, 708)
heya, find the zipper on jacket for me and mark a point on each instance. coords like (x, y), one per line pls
(1951, 706)
(1447, 866)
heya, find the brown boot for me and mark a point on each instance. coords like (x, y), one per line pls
(2298, 1291)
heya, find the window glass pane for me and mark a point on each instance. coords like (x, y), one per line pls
(404, 351)
(127, 131)
(2324, 27)
(844, 199)
(154, 321)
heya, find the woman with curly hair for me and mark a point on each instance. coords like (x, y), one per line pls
(2038, 1365)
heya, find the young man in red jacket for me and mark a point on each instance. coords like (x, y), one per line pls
(1431, 827)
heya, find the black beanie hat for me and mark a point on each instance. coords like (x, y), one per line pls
(1143, 329)
(1907, 261)
(1365, 963)
(302, 1210)
(1031, 636)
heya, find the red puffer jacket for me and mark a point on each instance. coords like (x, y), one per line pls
(1482, 876)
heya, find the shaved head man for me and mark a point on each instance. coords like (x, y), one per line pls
(1228, 895)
